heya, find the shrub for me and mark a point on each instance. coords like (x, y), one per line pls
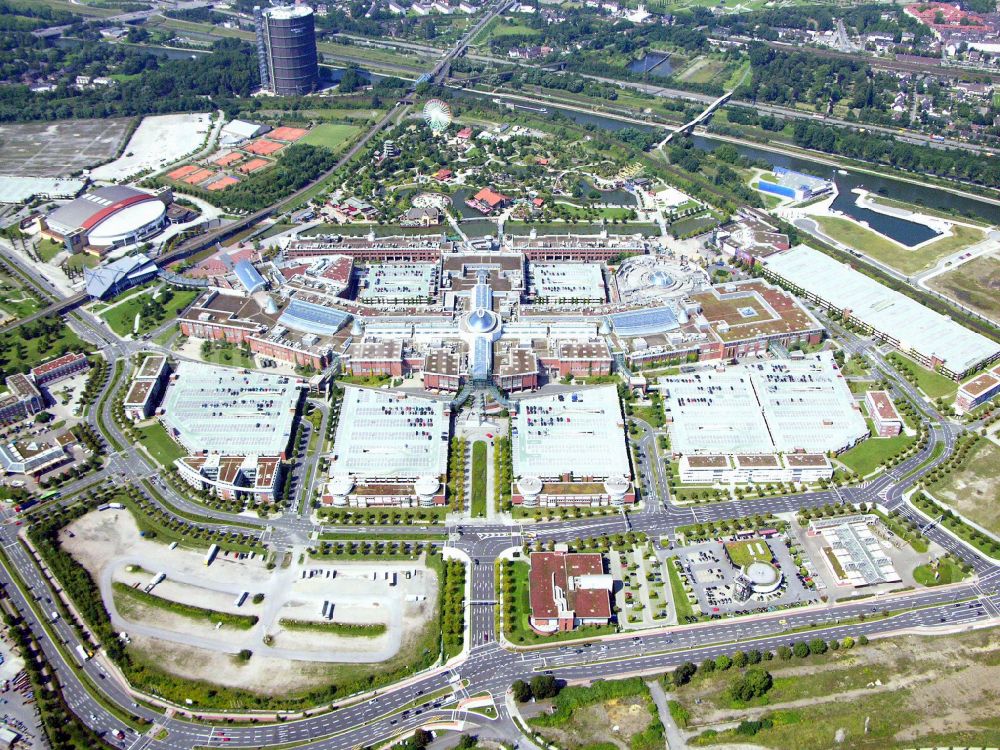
(753, 683)
(521, 691)
(684, 672)
(723, 662)
(817, 646)
(800, 649)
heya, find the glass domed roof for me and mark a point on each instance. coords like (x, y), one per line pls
(481, 320)
(661, 278)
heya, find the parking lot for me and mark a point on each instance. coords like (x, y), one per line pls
(712, 576)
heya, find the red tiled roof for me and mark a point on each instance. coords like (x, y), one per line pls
(549, 569)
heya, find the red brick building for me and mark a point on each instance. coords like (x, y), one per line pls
(883, 412)
(568, 591)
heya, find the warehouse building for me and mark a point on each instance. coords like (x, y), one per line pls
(935, 341)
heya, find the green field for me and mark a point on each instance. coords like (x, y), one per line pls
(48, 249)
(333, 136)
(872, 453)
(948, 572)
(479, 479)
(160, 445)
(152, 311)
(886, 251)
(934, 384)
(15, 300)
(745, 552)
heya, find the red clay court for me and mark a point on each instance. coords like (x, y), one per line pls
(253, 165)
(182, 171)
(285, 133)
(200, 176)
(264, 147)
(227, 159)
(222, 183)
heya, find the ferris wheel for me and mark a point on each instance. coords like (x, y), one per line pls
(437, 115)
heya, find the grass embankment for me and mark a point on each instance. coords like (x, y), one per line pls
(359, 630)
(903, 259)
(479, 479)
(874, 452)
(211, 616)
(164, 449)
(933, 384)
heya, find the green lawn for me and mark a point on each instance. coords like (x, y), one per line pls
(899, 257)
(160, 445)
(681, 604)
(48, 249)
(82, 260)
(479, 479)
(948, 572)
(934, 384)
(745, 552)
(152, 312)
(873, 452)
(37, 342)
(15, 300)
(227, 355)
(333, 136)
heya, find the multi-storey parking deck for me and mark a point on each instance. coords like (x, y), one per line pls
(779, 406)
(566, 282)
(393, 436)
(223, 410)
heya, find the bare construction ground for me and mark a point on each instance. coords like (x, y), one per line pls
(57, 149)
(974, 489)
(974, 284)
(399, 595)
(913, 692)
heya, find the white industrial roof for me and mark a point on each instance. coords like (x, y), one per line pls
(915, 327)
(580, 433)
(230, 411)
(18, 189)
(778, 406)
(389, 435)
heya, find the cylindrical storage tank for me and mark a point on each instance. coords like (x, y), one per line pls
(289, 37)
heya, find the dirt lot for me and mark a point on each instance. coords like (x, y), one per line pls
(974, 490)
(108, 544)
(614, 721)
(55, 149)
(974, 284)
(911, 690)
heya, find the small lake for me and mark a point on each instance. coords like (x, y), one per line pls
(909, 233)
(654, 64)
